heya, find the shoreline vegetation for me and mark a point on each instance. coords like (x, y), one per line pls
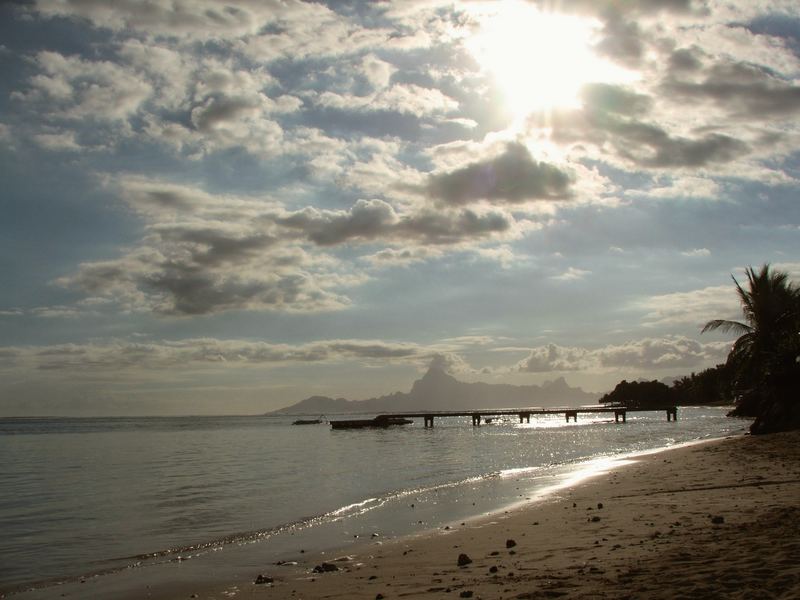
(716, 519)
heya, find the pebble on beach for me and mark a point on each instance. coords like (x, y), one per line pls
(261, 579)
(463, 560)
(325, 568)
(510, 543)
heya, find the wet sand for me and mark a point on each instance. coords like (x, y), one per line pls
(714, 520)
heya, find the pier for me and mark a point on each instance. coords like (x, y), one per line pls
(524, 414)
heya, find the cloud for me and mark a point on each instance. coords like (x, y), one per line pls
(666, 353)
(605, 125)
(370, 220)
(203, 19)
(673, 352)
(58, 141)
(404, 99)
(5, 133)
(203, 253)
(696, 252)
(513, 176)
(366, 220)
(743, 90)
(403, 257)
(82, 89)
(555, 358)
(377, 72)
(449, 363)
(572, 274)
(680, 187)
(695, 307)
(188, 353)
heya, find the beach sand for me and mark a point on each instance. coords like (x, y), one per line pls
(714, 520)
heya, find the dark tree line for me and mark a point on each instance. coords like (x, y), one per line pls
(762, 373)
(708, 387)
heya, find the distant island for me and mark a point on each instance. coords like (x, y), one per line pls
(438, 391)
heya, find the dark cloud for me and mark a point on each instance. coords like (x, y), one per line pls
(622, 40)
(512, 177)
(685, 60)
(454, 227)
(177, 275)
(188, 290)
(369, 220)
(745, 90)
(366, 220)
(653, 147)
(609, 118)
(221, 110)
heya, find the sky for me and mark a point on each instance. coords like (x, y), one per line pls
(224, 207)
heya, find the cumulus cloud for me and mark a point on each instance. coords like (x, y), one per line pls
(378, 72)
(448, 362)
(203, 253)
(513, 176)
(83, 89)
(372, 219)
(403, 257)
(556, 358)
(695, 307)
(367, 219)
(205, 19)
(405, 99)
(674, 352)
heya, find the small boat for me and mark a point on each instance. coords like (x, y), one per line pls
(379, 421)
(309, 421)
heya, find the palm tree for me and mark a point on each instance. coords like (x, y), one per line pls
(764, 356)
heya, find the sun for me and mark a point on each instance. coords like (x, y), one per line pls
(539, 60)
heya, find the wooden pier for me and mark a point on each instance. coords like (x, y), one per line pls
(524, 414)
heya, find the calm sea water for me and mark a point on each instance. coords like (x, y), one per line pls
(87, 496)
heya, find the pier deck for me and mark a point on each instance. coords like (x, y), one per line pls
(524, 414)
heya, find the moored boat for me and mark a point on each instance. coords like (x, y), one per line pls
(379, 421)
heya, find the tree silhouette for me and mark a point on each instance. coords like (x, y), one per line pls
(764, 358)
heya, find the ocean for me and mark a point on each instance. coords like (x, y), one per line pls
(97, 497)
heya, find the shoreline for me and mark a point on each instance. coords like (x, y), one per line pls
(648, 502)
(711, 519)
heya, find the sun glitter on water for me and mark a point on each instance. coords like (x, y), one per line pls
(539, 60)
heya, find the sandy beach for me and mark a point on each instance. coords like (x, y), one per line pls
(715, 520)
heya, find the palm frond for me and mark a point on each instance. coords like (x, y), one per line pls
(725, 326)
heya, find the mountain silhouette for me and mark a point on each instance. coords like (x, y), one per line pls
(438, 390)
